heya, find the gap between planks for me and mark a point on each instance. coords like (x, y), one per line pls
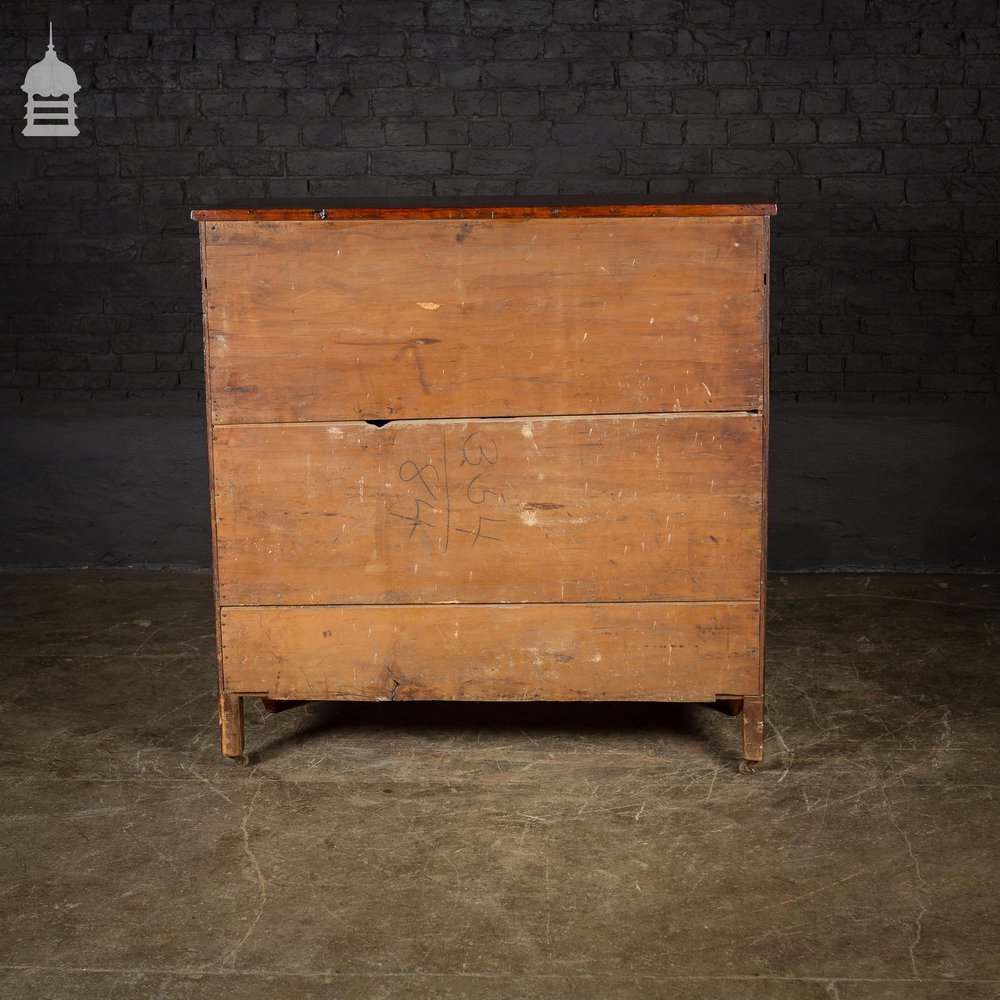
(484, 604)
(385, 421)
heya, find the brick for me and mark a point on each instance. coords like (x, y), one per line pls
(519, 45)
(957, 101)
(750, 132)
(667, 160)
(364, 134)
(172, 163)
(254, 48)
(927, 189)
(914, 100)
(927, 160)
(648, 102)
(841, 161)
(794, 131)
(326, 162)
(325, 132)
(525, 14)
(150, 16)
(796, 72)
(520, 103)
(493, 161)
(305, 104)
(839, 130)
(221, 105)
(824, 100)
(771, 12)
(476, 103)
(922, 131)
(649, 45)
(874, 189)
(664, 132)
(600, 132)
(535, 73)
(970, 131)
(416, 162)
(725, 71)
(455, 74)
(270, 105)
(755, 161)
(975, 189)
(294, 45)
(530, 133)
(956, 381)
(709, 11)
(659, 73)
(883, 131)
(589, 44)
(873, 99)
(134, 45)
(605, 102)
(176, 105)
(490, 133)
(738, 101)
(448, 133)
(592, 73)
(694, 101)
(424, 73)
(276, 76)
(824, 362)
(931, 277)
(280, 134)
(780, 101)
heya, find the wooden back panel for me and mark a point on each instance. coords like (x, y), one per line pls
(654, 508)
(341, 320)
(690, 651)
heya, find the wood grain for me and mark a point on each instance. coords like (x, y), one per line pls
(658, 508)
(603, 652)
(416, 319)
(522, 207)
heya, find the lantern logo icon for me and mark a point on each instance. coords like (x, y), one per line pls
(50, 86)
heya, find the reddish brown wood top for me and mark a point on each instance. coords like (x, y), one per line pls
(477, 208)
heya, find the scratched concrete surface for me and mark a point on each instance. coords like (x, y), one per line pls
(520, 851)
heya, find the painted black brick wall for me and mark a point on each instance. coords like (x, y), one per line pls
(873, 124)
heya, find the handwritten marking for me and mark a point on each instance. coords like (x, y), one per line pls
(447, 492)
(475, 453)
(417, 520)
(478, 533)
(418, 473)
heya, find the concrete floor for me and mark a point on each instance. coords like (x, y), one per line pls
(514, 851)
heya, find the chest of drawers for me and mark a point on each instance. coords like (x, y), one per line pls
(488, 451)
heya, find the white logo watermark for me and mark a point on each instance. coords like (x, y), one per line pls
(50, 86)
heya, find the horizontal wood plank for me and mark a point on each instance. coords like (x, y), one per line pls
(602, 652)
(415, 319)
(602, 508)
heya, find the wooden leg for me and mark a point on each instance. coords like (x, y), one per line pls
(731, 706)
(231, 723)
(753, 728)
